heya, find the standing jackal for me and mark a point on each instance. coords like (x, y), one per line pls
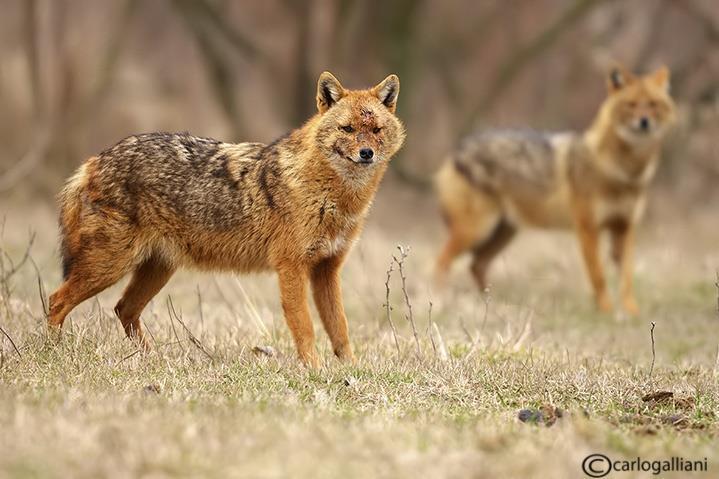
(157, 202)
(500, 181)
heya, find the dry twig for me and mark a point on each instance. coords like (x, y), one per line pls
(388, 307)
(173, 314)
(429, 328)
(193, 338)
(654, 355)
(14, 346)
(403, 253)
(14, 268)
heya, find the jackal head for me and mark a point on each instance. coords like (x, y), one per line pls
(358, 129)
(639, 107)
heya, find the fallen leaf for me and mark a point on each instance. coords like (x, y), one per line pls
(658, 396)
(268, 351)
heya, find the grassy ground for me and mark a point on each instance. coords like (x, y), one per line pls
(93, 406)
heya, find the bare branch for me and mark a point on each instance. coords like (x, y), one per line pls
(219, 23)
(27, 163)
(14, 268)
(111, 56)
(221, 74)
(523, 56)
(11, 341)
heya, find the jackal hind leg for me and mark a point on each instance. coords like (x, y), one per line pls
(466, 228)
(147, 280)
(484, 252)
(90, 274)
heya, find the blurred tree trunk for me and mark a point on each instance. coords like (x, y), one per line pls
(398, 47)
(222, 77)
(33, 59)
(207, 25)
(304, 106)
(449, 55)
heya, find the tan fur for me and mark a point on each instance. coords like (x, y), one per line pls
(158, 202)
(498, 182)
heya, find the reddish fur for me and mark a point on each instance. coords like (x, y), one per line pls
(309, 201)
(597, 184)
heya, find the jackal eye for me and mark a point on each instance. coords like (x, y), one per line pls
(632, 104)
(652, 104)
(347, 128)
(376, 130)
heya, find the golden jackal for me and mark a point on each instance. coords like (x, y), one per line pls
(157, 202)
(499, 181)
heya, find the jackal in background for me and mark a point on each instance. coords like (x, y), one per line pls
(157, 202)
(500, 181)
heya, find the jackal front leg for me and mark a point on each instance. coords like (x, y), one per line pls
(623, 254)
(588, 234)
(327, 292)
(293, 291)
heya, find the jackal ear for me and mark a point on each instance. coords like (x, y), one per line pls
(329, 91)
(387, 91)
(661, 78)
(618, 78)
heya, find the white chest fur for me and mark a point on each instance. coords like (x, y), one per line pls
(335, 234)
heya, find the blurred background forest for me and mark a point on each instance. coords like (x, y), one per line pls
(78, 75)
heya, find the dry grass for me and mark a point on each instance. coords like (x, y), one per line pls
(93, 406)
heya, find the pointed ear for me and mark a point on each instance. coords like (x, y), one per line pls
(388, 91)
(329, 91)
(618, 78)
(660, 78)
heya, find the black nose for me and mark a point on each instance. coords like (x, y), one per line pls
(366, 153)
(644, 123)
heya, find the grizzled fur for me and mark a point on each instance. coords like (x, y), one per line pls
(157, 202)
(495, 159)
(500, 181)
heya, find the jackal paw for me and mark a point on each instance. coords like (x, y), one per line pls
(630, 306)
(310, 359)
(346, 355)
(604, 304)
(54, 334)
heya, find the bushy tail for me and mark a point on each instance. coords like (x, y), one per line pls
(70, 201)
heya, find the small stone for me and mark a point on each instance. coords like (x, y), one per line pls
(530, 415)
